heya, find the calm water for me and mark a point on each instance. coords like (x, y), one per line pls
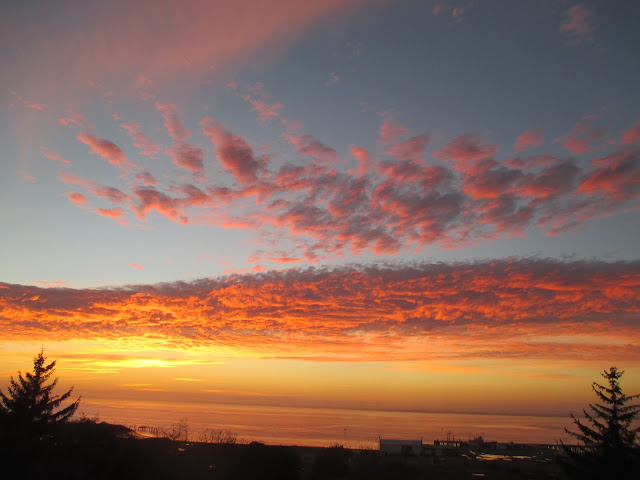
(324, 427)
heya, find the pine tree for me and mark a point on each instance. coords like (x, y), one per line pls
(30, 403)
(608, 447)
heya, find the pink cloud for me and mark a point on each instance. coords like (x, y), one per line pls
(105, 148)
(54, 156)
(233, 152)
(150, 199)
(67, 177)
(283, 259)
(323, 209)
(265, 110)
(77, 197)
(308, 145)
(551, 182)
(466, 148)
(532, 162)
(527, 140)
(172, 123)
(390, 131)
(146, 178)
(41, 107)
(188, 157)
(618, 177)
(111, 194)
(364, 159)
(74, 119)
(28, 177)
(114, 213)
(583, 137)
(631, 135)
(411, 148)
(136, 266)
(141, 141)
(577, 25)
(258, 99)
(490, 180)
(174, 36)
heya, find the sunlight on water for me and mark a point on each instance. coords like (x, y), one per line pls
(324, 427)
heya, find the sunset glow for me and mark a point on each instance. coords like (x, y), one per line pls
(425, 207)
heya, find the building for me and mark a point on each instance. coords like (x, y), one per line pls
(401, 447)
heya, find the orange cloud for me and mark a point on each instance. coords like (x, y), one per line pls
(500, 309)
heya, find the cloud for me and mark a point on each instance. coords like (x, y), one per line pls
(532, 162)
(136, 266)
(411, 148)
(114, 213)
(172, 123)
(41, 107)
(77, 197)
(364, 159)
(577, 24)
(258, 99)
(233, 152)
(308, 145)
(334, 79)
(583, 137)
(616, 178)
(390, 131)
(105, 148)
(493, 309)
(150, 199)
(111, 194)
(385, 199)
(146, 178)
(54, 156)
(174, 35)
(527, 140)
(188, 157)
(631, 135)
(184, 155)
(466, 148)
(141, 141)
(28, 177)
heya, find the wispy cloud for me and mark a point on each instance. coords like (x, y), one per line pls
(577, 24)
(527, 140)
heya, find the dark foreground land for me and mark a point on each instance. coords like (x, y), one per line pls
(88, 450)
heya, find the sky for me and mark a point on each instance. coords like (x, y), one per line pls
(417, 205)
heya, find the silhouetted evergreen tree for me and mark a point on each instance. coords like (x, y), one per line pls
(609, 447)
(30, 401)
(29, 416)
